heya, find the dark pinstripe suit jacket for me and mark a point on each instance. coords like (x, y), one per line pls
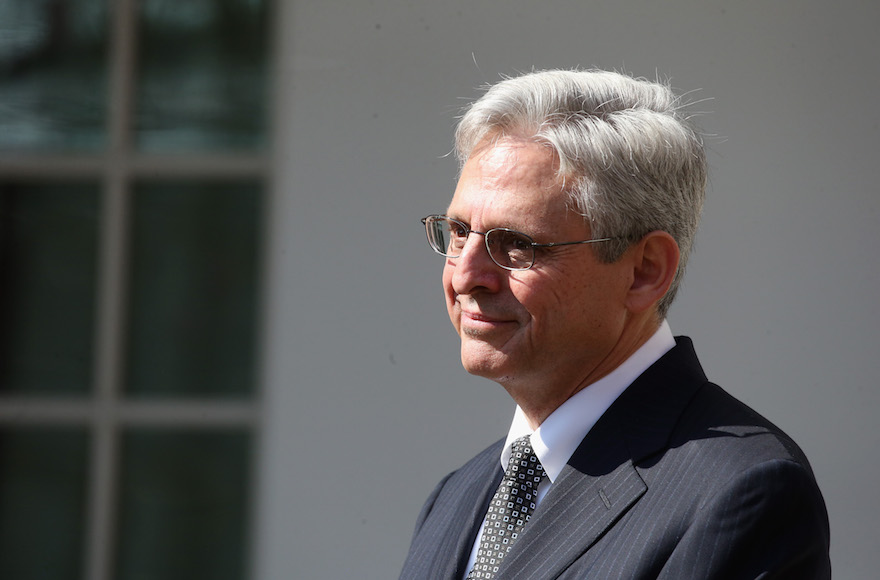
(678, 480)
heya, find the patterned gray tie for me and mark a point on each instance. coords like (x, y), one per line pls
(510, 509)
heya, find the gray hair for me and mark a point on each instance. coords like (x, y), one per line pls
(632, 162)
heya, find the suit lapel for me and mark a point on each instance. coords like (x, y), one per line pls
(577, 511)
(472, 507)
(601, 482)
(442, 545)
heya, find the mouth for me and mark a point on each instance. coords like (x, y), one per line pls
(477, 322)
(479, 317)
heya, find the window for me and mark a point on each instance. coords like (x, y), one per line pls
(133, 166)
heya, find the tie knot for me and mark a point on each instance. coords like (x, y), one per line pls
(522, 446)
(523, 464)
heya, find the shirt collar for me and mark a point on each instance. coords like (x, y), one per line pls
(556, 439)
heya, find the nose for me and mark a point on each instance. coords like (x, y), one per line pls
(474, 271)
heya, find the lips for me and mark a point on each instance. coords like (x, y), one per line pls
(478, 322)
(479, 317)
(479, 314)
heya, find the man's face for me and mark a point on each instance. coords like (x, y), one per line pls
(550, 327)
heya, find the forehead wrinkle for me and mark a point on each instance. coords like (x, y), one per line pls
(512, 183)
(520, 173)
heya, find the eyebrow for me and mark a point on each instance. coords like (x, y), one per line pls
(516, 229)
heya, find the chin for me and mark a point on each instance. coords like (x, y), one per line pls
(484, 361)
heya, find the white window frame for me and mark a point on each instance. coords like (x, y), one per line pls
(105, 412)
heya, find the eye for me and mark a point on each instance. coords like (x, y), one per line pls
(510, 241)
(457, 230)
(520, 243)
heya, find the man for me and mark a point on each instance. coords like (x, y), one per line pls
(565, 242)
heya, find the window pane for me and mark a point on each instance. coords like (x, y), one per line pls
(202, 81)
(53, 74)
(193, 289)
(42, 512)
(183, 507)
(48, 269)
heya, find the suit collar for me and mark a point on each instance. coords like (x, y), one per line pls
(600, 482)
(649, 409)
(557, 438)
(467, 520)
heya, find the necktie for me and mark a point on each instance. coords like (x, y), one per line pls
(510, 509)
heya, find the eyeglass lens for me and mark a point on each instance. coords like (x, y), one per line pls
(507, 248)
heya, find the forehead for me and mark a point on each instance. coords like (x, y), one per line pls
(510, 182)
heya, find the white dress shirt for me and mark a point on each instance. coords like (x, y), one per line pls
(557, 438)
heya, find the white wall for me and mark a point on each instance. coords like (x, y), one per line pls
(367, 405)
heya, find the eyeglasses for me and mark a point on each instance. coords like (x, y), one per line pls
(510, 249)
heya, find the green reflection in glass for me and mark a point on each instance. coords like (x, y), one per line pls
(48, 271)
(42, 511)
(193, 289)
(53, 74)
(202, 81)
(183, 505)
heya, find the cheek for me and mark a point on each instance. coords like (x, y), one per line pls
(447, 282)
(448, 293)
(542, 296)
(555, 308)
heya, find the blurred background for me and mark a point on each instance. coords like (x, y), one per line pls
(223, 347)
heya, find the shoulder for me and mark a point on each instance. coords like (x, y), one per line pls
(715, 422)
(768, 517)
(745, 497)
(681, 405)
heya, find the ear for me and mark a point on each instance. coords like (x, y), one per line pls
(655, 261)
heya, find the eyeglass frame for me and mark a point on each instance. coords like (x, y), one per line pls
(532, 243)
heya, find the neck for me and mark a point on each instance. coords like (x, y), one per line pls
(540, 396)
